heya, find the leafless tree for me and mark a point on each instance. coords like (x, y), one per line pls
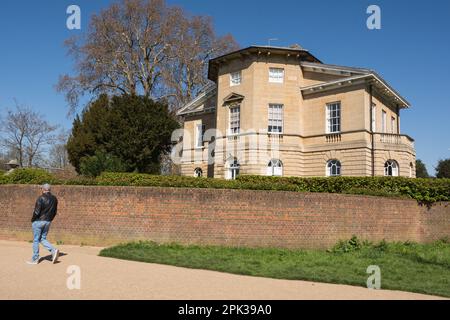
(128, 46)
(185, 70)
(57, 155)
(26, 134)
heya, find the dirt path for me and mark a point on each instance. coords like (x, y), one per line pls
(105, 278)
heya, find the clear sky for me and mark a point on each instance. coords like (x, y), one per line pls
(411, 51)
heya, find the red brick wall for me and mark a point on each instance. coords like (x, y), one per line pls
(109, 215)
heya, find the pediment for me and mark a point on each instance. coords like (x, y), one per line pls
(233, 98)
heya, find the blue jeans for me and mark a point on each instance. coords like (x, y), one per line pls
(40, 231)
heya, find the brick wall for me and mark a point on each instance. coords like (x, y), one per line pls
(109, 215)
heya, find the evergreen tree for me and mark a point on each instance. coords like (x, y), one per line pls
(133, 130)
(443, 169)
(421, 169)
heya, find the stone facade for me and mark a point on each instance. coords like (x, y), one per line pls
(363, 145)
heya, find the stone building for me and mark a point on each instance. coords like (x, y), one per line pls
(281, 111)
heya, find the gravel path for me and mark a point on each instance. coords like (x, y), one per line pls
(105, 278)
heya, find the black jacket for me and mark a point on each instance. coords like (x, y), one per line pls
(45, 208)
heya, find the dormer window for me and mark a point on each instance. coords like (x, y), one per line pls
(235, 78)
(276, 75)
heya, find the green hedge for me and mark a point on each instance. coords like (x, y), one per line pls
(423, 190)
(28, 176)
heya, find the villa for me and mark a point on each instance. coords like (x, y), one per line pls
(282, 112)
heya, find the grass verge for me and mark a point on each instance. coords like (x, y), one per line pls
(421, 268)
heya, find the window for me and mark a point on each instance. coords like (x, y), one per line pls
(392, 125)
(233, 169)
(275, 168)
(374, 118)
(235, 121)
(383, 121)
(333, 168)
(276, 75)
(235, 78)
(411, 168)
(334, 117)
(200, 132)
(391, 168)
(198, 172)
(275, 118)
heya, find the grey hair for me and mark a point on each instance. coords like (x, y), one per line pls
(46, 187)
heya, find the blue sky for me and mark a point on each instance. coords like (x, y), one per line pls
(411, 51)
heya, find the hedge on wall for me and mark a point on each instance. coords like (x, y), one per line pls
(28, 176)
(423, 190)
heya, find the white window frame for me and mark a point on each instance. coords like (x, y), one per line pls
(374, 118)
(275, 168)
(393, 165)
(235, 78)
(199, 134)
(232, 128)
(275, 118)
(330, 127)
(276, 75)
(383, 121)
(233, 168)
(333, 163)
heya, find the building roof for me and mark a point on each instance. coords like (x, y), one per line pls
(308, 62)
(333, 69)
(300, 53)
(197, 105)
(352, 76)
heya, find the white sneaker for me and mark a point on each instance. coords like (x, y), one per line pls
(55, 256)
(33, 262)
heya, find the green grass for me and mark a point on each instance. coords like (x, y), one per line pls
(422, 268)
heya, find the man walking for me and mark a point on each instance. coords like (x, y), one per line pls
(43, 215)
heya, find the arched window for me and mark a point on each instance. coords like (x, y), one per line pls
(275, 168)
(233, 168)
(411, 169)
(198, 172)
(391, 168)
(333, 168)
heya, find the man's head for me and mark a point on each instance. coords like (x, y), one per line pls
(45, 188)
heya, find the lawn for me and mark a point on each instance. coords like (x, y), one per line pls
(421, 268)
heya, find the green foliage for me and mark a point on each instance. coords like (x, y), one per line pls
(134, 129)
(421, 169)
(443, 169)
(28, 176)
(4, 179)
(344, 246)
(425, 191)
(89, 132)
(93, 166)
